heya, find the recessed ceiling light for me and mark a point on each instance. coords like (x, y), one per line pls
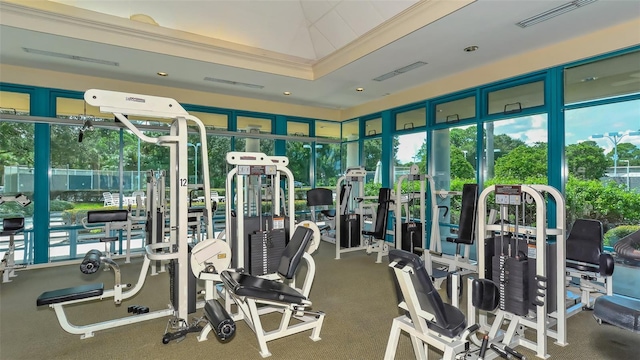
(359, 89)
(471, 48)
(591, 78)
(160, 73)
(287, 93)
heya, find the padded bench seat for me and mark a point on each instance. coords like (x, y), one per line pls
(619, 311)
(69, 294)
(256, 287)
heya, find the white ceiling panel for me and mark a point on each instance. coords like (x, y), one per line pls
(335, 29)
(321, 44)
(361, 16)
(314, 10)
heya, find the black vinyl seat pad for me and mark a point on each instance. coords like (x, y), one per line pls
(69, 294)
(256, 287)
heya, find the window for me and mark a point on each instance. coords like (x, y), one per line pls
(212, 121)
(456, 110)
(603, 79)
(601, 187)
(218, 147)
(411, 119)
(372, 149)
(14, 103)
(351, 130)
(516, 98)
(327, 129)
(251, 125)
(409, 149)
(373, 127)
(515, 151)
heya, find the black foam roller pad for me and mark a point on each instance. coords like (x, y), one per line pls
(223, 326)
(91, 262)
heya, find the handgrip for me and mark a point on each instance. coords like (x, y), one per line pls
(514, 353)
(483, 347)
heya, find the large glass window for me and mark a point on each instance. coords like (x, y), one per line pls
(328, 159)
(372, 151)
(16, 172)
(218, 147)
(299, 153)
(409, 149)
(603, 79)
(411, 119)
(599, 186)
(516, 98)
(456, 110)
(515, 151)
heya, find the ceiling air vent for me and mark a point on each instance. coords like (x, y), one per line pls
(399, 71)
(235, 83)
(71, 57)
(562, 9)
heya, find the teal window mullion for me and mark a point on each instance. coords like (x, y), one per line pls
(386, 157)
(41, 105)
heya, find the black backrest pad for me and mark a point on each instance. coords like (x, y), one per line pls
(466, 231)
(584, 242)
(319, 197)
(382, 215)
(428, 296)
(294, 251)
(13, 224)
(104, 216)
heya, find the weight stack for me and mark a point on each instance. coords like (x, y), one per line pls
(266, 249)
(411, 236)
(516, 290)
(350, 230)
(174, 284)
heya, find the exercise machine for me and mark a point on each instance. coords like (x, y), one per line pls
(108, 221)
(349, 218)
(256, 296)
(527, 263)
(377, 237)
(439, 264)
(176, 250)
(432, 323)
(589, 269)
(410, 206)
(257, 240)
(11, 227)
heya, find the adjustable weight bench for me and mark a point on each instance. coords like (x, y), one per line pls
(249, 291)
(430, 322)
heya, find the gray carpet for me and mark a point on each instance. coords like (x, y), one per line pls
(356, 294)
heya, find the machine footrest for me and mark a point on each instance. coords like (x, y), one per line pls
(618, 311)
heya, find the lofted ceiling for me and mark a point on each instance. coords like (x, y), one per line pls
(318, 50)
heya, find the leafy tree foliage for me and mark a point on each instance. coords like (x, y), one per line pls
(626, 151)
(586, 160)
(460, 167)
(523, 162)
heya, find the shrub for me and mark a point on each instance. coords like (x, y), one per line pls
(612, 236)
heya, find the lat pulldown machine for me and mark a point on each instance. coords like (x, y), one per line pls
(176, 250)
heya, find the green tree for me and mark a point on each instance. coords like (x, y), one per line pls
(626, 151)
(328, 164)
(16, 145)
(586, 160)
(523, 162)
(460, 167)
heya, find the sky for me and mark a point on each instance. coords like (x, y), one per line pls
(580, 124)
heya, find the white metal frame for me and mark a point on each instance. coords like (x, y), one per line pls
(402, 202)
(8, 263)
(540, 322)
(108, 227)
(352, 175)
(121, 104)
(253, 159)
(416, 326)
(250, 309)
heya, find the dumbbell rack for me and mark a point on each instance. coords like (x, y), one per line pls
(540, 320)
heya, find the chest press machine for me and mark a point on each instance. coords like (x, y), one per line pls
(176, 250)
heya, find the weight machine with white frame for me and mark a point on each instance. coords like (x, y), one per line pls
(541, 320)
(121, 104)
(11, 227)
(345, 208)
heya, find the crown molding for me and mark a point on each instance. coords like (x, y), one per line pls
(413, 18)
(69, 21)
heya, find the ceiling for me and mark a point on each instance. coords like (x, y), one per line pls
(318, 50)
